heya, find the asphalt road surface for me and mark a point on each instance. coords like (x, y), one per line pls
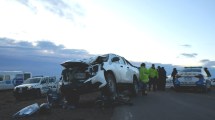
(169, 105)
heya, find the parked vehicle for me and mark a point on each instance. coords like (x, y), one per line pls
(169, 82)
(35, 87)
(107, 73)
(193, 78)
(213, 81)
(10, 79)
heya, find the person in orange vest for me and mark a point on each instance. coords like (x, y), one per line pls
(144, 79)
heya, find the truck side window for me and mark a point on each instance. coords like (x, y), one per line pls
(1, 77)
(7, 77)
(43, 81)
(121, 61)
(51, 80)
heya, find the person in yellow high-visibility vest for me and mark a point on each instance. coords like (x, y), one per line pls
(153, 76)
(144, 79)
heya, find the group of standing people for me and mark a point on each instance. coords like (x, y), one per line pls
(155, 78)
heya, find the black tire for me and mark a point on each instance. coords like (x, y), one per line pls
(111, 89)
(134, 88)
(71, 96)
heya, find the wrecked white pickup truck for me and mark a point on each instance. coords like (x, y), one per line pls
(108, 73)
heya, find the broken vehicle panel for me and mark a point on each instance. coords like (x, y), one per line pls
(84, 73)
(27, 111)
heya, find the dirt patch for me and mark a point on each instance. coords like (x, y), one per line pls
(87, 109)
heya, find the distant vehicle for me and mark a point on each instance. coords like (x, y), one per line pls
(169, 82)
(35, 87)
(10, 79)
(213, 81)
(108, 73)
(193, 78)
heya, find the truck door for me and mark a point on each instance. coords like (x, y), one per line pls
(126, 72)
(120, 69)
(44, 85)
(116, 68)
(52, 83)
(8, 82)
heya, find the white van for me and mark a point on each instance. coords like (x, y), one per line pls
(10, 79)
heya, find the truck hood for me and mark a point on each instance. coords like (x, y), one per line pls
(26, 85)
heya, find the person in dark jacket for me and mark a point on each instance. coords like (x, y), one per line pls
(163, 78)
(159, 80)
(207, 72)
(173, 75)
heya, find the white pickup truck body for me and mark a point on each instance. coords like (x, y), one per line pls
(110, 70)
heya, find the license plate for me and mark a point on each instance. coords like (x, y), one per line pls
(80, 75)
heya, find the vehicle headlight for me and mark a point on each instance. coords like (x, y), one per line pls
(30, 87)
(14, 88)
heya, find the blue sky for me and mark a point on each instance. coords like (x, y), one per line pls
(177, 32)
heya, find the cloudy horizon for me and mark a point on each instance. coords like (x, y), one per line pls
(175, 33)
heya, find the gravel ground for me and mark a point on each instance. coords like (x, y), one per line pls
(87, 109)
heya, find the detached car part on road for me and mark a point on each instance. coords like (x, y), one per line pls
(35, 87)
(108, 73)
(193, 78)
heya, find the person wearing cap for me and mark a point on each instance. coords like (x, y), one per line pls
(144, 79)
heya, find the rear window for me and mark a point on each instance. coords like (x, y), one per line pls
(191, 70)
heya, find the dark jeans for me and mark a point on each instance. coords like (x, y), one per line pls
(153, 83)
(142, 86)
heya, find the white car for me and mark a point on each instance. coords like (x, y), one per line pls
(169, 82)
(193, 78)
(35, 87)
(213, 81)
(108, 73)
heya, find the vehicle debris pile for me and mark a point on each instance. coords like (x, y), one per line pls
(55, 100)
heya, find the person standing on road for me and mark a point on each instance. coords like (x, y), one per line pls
(173, 75)
(163, 79)
(159, 82)
(207, 72)
(144, 79)
(153, 76)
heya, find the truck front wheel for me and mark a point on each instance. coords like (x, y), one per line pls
(111, 89)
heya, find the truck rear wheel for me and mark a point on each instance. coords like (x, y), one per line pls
(134, 88)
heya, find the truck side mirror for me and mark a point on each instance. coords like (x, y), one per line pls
(115, 59)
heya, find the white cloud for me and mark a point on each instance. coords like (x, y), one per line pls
(88, 25)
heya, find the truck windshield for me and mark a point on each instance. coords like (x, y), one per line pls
(32, 80)
(191, 70)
